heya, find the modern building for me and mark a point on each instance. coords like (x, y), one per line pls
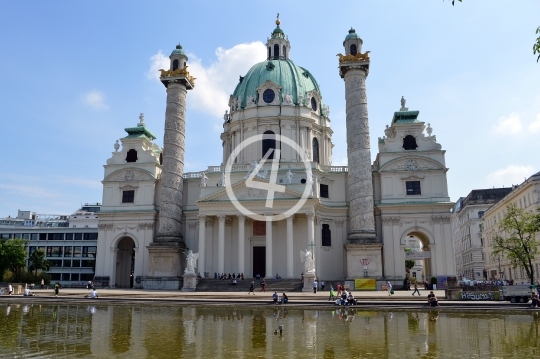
(276, 194)
(525, 196)
(69, 241)
(467, 228)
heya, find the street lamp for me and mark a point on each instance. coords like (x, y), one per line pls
(500, 271)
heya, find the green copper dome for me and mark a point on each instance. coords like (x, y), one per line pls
(293, 79)
(352, 35)
(178, 51)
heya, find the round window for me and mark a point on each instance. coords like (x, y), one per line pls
(269, 96)
(313, 104)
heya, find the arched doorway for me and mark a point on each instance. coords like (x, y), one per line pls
(417, 243)
(125, 263)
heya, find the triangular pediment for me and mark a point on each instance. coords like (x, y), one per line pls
(411, 163)
(245, 193)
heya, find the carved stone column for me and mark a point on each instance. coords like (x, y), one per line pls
(202, 244)
(290, 248)
(170, 213)
(241, 242)
(269, 268)
(360, 185)
(221, 244)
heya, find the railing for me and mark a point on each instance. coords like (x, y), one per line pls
(283, 166)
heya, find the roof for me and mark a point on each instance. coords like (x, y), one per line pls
(405, 117)
(178, 51)
(139, 131)
(293, 79)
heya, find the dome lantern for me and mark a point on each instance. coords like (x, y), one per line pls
(352, 43)
(278, 44)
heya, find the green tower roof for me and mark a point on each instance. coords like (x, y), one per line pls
(139, 131)
(178, 51)
(405, 117)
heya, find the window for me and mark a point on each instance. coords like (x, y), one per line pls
(33, 237)
(269, 51)
(128, 196)
(67, 251)
(66, 263)
(69, 236)
(268, 96)
(66, 276)
(323, 189)
(268, 143)
(409, 143)
(55, 263)
(413, 187)
(90, 236)
(313, 104)
(42, 236)
(276, 52)
(353, 49)
(89, 252)
(326, 235)
(315, 150)
(55, 276)
(56, 236)
(131, 156)
(480, 214)
(88, 263)
(76, 251)
(26, 236)
(78, 236)
(175, 65)
(54, 251)
(76, 264)
(284, 51)
(75, 277)
(161, 158)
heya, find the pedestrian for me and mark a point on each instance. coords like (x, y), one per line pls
(263, 286)
(322, 285)
(332, 293)
(339, 289)
(10, 289)
(56, 290)
(302, 277)
(275, 297)
(390, 291)
(251, 288)
(315, 284)
(42, 283)
(89, 285)
(416, 289)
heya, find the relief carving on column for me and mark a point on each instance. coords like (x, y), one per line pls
(144, 226)
(392, 221)
(105, 226)
(440, 219)
(192, 225)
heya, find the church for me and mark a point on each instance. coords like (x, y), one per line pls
(276, 202)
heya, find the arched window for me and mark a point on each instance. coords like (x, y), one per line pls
(353, 50)
(284, 51)
(131, 156)
(409, 143)
(315, 150)
(326, 236)
(269, 52)
(161, 158)
(276, 52)
(268, 143)
(175, 65)
(313, 104)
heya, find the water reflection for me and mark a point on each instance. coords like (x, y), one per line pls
(133, 331)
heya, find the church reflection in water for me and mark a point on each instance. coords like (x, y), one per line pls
(137, 331)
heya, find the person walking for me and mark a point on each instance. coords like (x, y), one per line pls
(332, 293)
(389, 285)
(42, 283)
(10, 288)
(251, 288)
(56, 290)
(263, 286)
(322, 285)
(315, 284)
(416, 289)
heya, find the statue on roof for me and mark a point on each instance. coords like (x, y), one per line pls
(403, 102)
(141, 118)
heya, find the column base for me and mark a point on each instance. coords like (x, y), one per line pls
(358, 251)
(308, 282)
(362, 237)
(162, 283)
(190, 282)
(166, 262)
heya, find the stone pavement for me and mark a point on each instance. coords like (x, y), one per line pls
(367, 299)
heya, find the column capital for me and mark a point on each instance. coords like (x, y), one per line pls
(221, 218)
(241, 217)
(201, 217)
(310, 215)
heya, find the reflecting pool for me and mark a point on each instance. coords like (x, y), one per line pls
(160, 331)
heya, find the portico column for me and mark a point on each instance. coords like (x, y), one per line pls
(269, 246)
(290, 269)
(221, 244)
(202, 244)
(310, 232)
(241, 240)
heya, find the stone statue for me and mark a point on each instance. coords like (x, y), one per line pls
(226, 116)
(289, 177)
(287, 99)
(250, 101)
(309, 262)
(309, 176)
(116, 146)
(222, 179)
(387, 131)
(300, 100)
(429, 130)
(204, 179)
(403, 102)
(191, 261)
(141, 118)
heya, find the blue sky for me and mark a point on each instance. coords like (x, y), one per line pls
(74, 74)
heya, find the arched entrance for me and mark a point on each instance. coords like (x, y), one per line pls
(125, 263)
(417, 243)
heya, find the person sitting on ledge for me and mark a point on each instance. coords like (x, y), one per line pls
(275, 297)
(234, 282)
(94, 294)
(433, 301)
(277, 276)
(284, 298)
(28, 293)
(242, 276)
(534, 300)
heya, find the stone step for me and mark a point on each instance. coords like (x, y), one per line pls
(217, 285)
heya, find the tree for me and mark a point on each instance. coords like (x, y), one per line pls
(409, 263)
(518, 239)
(12, 255)
(38, 262)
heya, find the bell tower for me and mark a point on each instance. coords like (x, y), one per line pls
(278, 45)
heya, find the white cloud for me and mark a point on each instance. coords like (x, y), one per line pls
(28, 190)
(512, 174)
(510, 125)
(216, 82)
(95, 99)
(534, 127)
